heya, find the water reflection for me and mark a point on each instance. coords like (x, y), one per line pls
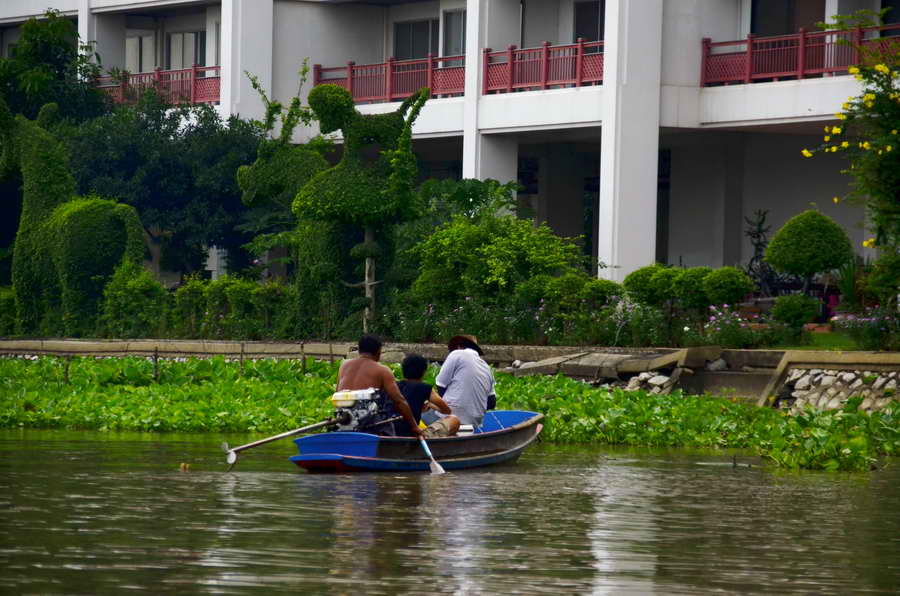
(86, 513)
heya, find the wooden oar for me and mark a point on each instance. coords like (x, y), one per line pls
(232, 453)
(435, 467)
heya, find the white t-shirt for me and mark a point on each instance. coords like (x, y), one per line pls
(469, 381)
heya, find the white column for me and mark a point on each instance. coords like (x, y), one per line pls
(247, 31)
(474, 36)
(498, 158)
(630, 136)
(85, 23)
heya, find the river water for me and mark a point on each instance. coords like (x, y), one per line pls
(100, 513)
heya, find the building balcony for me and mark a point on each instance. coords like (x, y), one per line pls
(545, 67)
(796, 56)
(196, 85)
(395, 80)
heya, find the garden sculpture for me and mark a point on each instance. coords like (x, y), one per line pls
(66, 247)
(373, 184)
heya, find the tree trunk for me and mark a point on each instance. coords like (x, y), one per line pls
(370, 280)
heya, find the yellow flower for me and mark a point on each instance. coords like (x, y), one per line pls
(869, 97)
(879, 152)
(889, 148)
(893, 132)
(869, 243)
(845, 144)
(836, 200)
(845, 106)
(826, 138)
(882, 68)
(858, 77)
(866, 145)
(807, 153)
(869, 104)
(840, 116)
(836, 130)
(853, 70)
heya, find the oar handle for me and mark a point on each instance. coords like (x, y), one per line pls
(425, 447)
(283, 435)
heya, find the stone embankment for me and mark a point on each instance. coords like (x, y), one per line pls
(830, 389)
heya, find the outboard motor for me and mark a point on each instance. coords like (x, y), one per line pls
(360, 410)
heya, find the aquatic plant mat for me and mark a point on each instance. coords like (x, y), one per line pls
(272, 395)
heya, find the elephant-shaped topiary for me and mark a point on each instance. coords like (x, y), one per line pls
(66, 247)
(373, 184)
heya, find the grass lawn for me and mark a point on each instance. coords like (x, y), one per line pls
(832, 341)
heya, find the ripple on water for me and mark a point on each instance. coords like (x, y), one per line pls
(89, 513)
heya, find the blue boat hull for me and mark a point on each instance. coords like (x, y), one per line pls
(501, 439)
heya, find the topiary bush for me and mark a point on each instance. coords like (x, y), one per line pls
(689, 290)
(795, 310)
(134, 304)
(726, 285)
(809, 243)
(189, 310)
(883, 281)
(640, 286)
(7, 312)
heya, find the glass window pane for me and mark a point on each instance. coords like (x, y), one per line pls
(402, 41)
(148, 53)
(454, 33)
(421, 39)
(189, 58)
(133, 54)
(588, 21)
(200, 59)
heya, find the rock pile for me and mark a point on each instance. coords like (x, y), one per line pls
(654, 382)
(830, 389)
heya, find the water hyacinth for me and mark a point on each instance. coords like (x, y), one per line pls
(271, 396)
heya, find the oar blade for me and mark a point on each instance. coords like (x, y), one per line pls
(436, 468)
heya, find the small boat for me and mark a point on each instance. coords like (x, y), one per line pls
(501, 438)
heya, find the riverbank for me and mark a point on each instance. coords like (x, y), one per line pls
(270, 396)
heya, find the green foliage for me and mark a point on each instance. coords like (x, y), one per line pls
(795, 310)
(809, 243)
(639, 284)
(360, 190)
(190, 307)
(48, 65)
(726, 285)
(134, 304)
(868, 135)
(488, 258)
(689, 290)
(273, 395)
(875, 328)
(66, 248)
(176, 167)
(7, 312)
(884, 280)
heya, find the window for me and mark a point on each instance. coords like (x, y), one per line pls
(781, 17)
(140, 54)
(183, 50)
(455, 33)
(415, 39)
(589, 20)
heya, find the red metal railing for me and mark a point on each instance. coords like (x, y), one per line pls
(797, 55)
(199, 84)
(396, 79)
(545, 67)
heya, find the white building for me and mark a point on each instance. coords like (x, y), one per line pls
(655, 137)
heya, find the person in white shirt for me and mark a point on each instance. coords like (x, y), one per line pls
(466, 381)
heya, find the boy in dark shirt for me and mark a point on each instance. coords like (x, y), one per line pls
(422, 396)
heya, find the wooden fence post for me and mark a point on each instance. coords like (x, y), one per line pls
(545, 63)
(801, 54)
(350, 77)
(193, 83)
(704, 61)
(748, 66)
(485, 63)
(389, 79)
(579, 62)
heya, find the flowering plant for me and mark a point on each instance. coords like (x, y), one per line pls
(875, 328)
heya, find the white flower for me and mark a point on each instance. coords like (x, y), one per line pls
(686, 328)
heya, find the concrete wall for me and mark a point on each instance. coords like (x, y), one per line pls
(718, 179)
(17, 11)
(330, 35)
(540, 23)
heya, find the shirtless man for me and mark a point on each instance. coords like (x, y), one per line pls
(365, 372)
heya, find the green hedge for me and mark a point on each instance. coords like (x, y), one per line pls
(7, 312)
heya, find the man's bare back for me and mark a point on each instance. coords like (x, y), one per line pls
(365, 372)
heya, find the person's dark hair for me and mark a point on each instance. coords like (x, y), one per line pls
(369, 344)
(414, 366)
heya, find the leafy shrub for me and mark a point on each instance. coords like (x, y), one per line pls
(795, 310)
(689, 290)
(190, 308)
(7, 311)
(726, 285)
(724, 327)
(663, 284)
(639, 284)
(487, 258)
(884, 280)
(134, 304)
(807, 244)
